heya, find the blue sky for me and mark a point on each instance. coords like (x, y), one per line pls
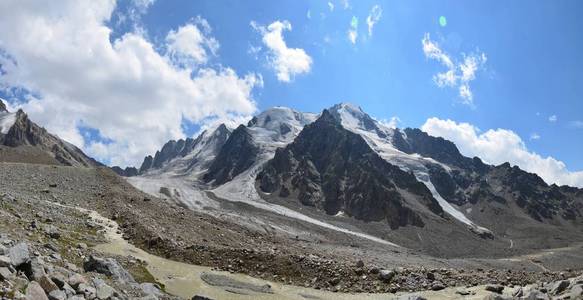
(534, 68)
(529, 66)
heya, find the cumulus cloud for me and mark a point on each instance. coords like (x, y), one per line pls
(353, 30)
(189, 45)
(458, 74)
(135, 96)
(497, 146)
(373, 17)
(287, 62)
(553, 118)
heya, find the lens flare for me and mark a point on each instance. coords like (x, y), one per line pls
(442, 21)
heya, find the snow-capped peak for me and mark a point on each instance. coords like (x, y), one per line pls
(278, 126)
(275, 117)
(380, 138)
(7, 119)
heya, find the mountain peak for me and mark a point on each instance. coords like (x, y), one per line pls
(2, 106)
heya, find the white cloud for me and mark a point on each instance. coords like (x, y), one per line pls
(287, 62)
(373, 18)
(391, 123)
(189, 45)
(553, 118)
(331, 6)
(458, 74)
(534, 136)
(353, 30)
(497, 146)
(134, 95)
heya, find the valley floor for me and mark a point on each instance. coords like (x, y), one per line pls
(237, 237)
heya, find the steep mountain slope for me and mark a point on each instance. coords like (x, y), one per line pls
(22, 136)
(319, 170)
(183, 157)
(346, 171)
(334, 169)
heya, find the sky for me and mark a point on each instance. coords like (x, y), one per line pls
(503, 80)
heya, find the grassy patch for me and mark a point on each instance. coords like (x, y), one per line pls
(141, 274)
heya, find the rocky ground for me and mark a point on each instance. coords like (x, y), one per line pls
(59, 240)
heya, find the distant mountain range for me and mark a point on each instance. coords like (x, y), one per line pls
(342, 162)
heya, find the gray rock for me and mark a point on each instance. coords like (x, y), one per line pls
(5, 273)
(386, 275)
(231, 283)
(103, 291)
(88, 291)
(57, 295)
(198, 297)
(70, 291)
(535, 295)
(5, 261)
(495, 288)
(150, 289)
(52, 232)
(19, 254)
(109, 267)
(576, 291)
(3, 250)
(560, 286)
(35, 292)
(412, 297)
(47, 284)
(76, 297)
(437, 286)
(35, 269)
(76, 279)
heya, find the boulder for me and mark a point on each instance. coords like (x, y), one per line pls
(576, 291)
(19, 254)
(57, 295)
(534, 294)
(5, 273)
(103, 291)
(150, 289)
(88, 291)
(495, 288)
(386, 275)
(35, 292)
(109, 267)
(5, 261)
(34, 269)
(76, 279)
(47, 284)
(560, 286)
(437, 286)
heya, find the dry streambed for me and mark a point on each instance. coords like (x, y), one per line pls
(186, 280)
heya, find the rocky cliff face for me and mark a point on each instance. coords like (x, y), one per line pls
(335, 170)
(24, 132)
(471, 181)
(182, 155)
(237, 154)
